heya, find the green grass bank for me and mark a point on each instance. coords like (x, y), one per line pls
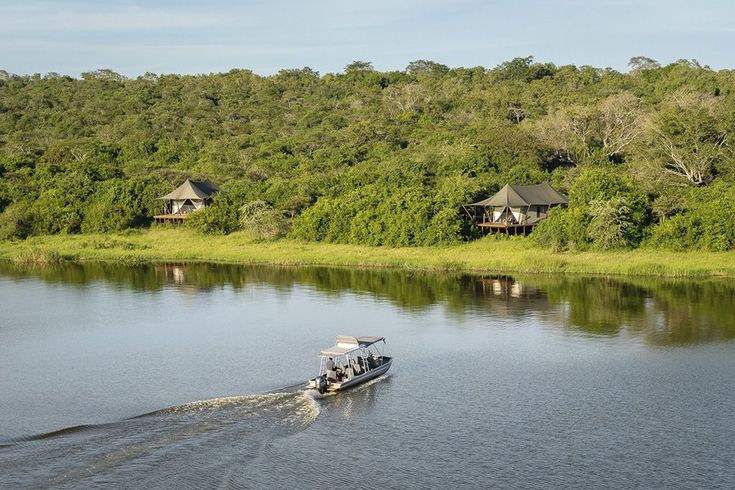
(482, 256)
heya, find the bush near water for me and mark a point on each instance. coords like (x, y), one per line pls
(378, 158)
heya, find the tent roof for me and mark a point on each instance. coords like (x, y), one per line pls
(524, 195)
(192, 189)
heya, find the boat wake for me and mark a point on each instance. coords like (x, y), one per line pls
(356, 389)
(368, 384)
(199, 444)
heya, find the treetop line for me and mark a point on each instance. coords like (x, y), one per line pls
(378, 158)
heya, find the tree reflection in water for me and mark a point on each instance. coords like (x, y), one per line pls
(660, 311)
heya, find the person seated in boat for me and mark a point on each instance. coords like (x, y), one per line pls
(355, 367)
(331, 370)
(342, 371)
(372, 361)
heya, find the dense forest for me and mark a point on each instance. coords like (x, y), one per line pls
(378, 158)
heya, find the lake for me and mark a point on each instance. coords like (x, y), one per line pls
(188, 376)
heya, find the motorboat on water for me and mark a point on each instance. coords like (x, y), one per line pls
(350, 362)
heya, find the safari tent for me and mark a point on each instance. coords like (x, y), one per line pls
(190, 196)
(515, 209)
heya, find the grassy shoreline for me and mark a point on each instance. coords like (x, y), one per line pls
(482, 256)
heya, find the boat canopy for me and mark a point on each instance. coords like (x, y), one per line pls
(346, 344)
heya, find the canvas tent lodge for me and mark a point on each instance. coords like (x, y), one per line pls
(190, 196)
(515, 209)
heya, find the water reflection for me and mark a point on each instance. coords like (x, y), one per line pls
(659, 311)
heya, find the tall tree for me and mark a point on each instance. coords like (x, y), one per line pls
(621, 122)
(359, 66)
(687, 139)
(641, 63)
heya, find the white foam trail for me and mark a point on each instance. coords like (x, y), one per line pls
(253, 402)
(315, 395)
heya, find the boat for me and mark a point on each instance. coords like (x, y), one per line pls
(350, 362)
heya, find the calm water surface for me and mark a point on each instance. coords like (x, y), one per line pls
(187, 377)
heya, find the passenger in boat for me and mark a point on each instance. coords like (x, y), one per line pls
(355, 367)
(362, 363)
(331, 370)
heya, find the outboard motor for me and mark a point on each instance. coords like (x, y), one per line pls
(320, 383)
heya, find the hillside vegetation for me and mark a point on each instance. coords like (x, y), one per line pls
(378, 158)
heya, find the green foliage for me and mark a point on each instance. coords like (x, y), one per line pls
(370, 157)
(262, 220)
(639, 63)
(606, 211)
(426, 67)
(672, 233)
(524, 69)
(120, 204)
(707, 224)
(219, 218)
(359, 66)
(687, 140)
(611, 223)
(564, 229)
(56, 211)
(15, 222)
(371, 215)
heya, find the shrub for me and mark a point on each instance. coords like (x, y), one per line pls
(15, 222)
(219, 218)
(373, 215)
(596, 184)
(605, 210)
(121, 204)
(671, 233)
(564, 229)
(705, 225)
(56, 212)
(60, 207)
(611, 223)
(262, 220)
(446, 226)
(329, 219)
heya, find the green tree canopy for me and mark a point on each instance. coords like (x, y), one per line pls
(367, 156)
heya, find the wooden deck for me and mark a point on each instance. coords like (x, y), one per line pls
(506, 228)
(174, 218)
